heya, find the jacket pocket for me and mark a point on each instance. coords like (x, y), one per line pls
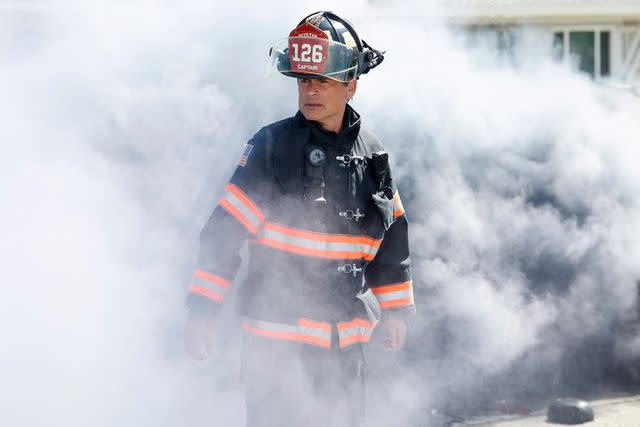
(371, 305)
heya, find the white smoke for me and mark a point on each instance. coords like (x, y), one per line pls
(122, 123)
(523, 186)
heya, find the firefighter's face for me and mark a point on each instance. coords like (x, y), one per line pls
(324, 100)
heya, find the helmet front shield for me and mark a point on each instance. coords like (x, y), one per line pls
(309, 57)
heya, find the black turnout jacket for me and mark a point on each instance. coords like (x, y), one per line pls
(326, 230)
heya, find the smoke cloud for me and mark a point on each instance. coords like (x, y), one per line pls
(122, 123)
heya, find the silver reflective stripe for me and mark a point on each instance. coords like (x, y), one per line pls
(392, 296)
(315, 332)
(271, 326)
(244, 210)
(367, 332)
(357, 248)
(304, 331)
(304, 243)
(346, 333)
(355, 331)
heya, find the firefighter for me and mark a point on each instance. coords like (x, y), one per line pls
(327, 235)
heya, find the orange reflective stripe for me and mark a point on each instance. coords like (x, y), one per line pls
(195, 289)
(288, 336)
(211, 278)
(394, 295)
(353, 323)
(313, 324)
(353, 339)
(402, 286)
(246, 200)
(321, 237)
(402, 302)
(236, 213)
(310, 243)
(241, 207)
(312, 332)
(355, 331)
(306, 331)
(397, 205)
(320, 342)
(209, 285)
(314, 252)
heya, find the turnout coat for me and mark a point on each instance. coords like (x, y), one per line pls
(320, 272)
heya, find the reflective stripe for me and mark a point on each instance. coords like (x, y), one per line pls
(394, 295)
(306, 331)
(242, 208)
(398, 209)
(202, 277)
(357, 330)
(209, 285)
(309, 243)
(195, 289)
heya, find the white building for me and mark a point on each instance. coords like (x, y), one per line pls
(603, 34)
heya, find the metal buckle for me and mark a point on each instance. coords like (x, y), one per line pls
(349, 269)
(347, 159)
(349, 214)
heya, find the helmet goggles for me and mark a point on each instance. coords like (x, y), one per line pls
(313, 57)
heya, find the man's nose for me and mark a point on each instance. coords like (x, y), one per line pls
(312, 88)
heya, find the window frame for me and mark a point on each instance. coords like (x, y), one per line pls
(597, 29)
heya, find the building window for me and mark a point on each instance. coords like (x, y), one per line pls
(582, 45)
(502, 39)
(590, 48)
(605, 53)
(506, 40)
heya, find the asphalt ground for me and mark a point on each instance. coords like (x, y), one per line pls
(623, 411)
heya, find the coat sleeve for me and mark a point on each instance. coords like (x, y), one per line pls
(389, 274)
(237, 217)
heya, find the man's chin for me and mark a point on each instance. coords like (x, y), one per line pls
(313, 116)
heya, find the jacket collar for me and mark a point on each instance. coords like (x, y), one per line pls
(289, 151)
(350, 125)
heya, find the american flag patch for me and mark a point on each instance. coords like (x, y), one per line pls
(245, 154)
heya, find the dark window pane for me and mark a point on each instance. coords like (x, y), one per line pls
(558, 46)
(506, 44)
(503, 44)
(513, 40)
(582, 45)
(605, 46)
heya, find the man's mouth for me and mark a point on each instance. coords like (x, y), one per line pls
(313, 105)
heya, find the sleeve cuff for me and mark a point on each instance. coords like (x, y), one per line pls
(206, 292)
(399, 313)
(201, 306)
(395, 296)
